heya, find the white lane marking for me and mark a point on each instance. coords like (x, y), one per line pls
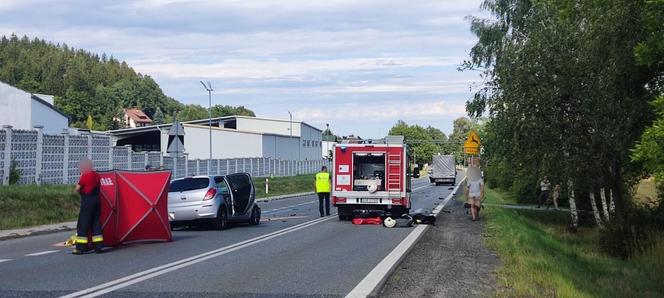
(378, 275)
(287, 207)
(41, 253)
(5, 260)
(163, 269)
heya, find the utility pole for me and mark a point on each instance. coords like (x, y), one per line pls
(209, 89)
(291, 123)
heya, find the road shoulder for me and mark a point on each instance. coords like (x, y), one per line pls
(450, 260)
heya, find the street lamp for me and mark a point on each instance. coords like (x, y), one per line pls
(209, 89)
(291, 123)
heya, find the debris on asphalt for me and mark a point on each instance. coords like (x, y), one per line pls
(367, 221)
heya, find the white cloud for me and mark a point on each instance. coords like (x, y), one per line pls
(271, 69)
(383, 111)
(277, 55)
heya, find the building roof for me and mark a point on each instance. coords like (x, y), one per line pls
(137, 115)
(203, 122)
(45, 102)
(215, 119)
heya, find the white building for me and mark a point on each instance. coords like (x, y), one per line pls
(232, 137)
(23, 110)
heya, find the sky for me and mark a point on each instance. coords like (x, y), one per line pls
(357, 65)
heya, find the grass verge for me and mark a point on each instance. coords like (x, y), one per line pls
(284, 185)
(541, 259)
(31, 205)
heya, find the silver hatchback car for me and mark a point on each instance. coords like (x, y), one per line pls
(219, 200)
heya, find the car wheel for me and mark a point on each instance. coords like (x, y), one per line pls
(221, 222)
(255, 216)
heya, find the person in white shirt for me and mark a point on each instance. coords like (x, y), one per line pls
(545, 187)
(474, 195)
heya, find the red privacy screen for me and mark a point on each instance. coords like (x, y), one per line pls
(134, 206)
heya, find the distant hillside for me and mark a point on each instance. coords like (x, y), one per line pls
(85, 83)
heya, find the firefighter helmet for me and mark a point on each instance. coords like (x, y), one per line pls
(389, 222)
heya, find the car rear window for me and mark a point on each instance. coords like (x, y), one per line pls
(189, 184)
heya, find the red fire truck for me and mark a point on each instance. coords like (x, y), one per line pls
(371, 176)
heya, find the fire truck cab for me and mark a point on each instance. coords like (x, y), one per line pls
(372, 176)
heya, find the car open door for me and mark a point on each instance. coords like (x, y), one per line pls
(243, 192)
(224, 189)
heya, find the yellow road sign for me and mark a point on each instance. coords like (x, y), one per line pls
(472, 144)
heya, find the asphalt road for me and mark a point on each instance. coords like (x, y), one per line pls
(293, 252)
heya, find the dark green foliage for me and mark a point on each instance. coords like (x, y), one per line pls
(85, 83)
(568, 87)
(195, 112)
(14, 172)
(420, 140)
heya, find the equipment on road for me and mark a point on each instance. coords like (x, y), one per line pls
(405, 221)
(389, 222)
(444, 170)
(372, 175)
(423, 217)
(133, 206)
(367, 221)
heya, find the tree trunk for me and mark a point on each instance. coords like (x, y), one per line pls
(618, 198)
(574, 216)
(593, 204)
(612, 205)
(605, 208)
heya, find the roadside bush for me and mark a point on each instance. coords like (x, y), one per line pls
(496, 174)
(643, 229)
(14, 172)
(525, 187)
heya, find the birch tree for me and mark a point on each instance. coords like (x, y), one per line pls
(561, 79)
(605, 208)
(593, 205)
(574, 215)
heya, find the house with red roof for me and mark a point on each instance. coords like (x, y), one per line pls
(134, 118)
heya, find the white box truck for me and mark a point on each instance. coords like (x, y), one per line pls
(444, 170)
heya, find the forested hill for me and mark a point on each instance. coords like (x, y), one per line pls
(86, 83)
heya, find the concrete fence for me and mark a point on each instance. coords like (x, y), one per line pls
(53, 159)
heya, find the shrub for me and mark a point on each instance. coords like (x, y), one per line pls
(14, 172)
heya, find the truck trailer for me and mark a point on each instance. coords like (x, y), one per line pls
(444, 170)
(372, 176)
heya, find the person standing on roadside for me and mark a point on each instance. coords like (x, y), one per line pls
(545, 186)
(556, 195)
(89, 212)
(323, 187)
(475, 194)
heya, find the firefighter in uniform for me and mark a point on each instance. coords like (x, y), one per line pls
(88, 217)
(323, 187)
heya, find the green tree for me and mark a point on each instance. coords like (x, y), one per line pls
(419, 140)
(158, 117)
(564, 92)
(650, 149)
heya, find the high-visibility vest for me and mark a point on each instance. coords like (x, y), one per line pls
(323, 182)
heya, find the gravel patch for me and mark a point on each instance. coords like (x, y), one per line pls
(450, 260)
